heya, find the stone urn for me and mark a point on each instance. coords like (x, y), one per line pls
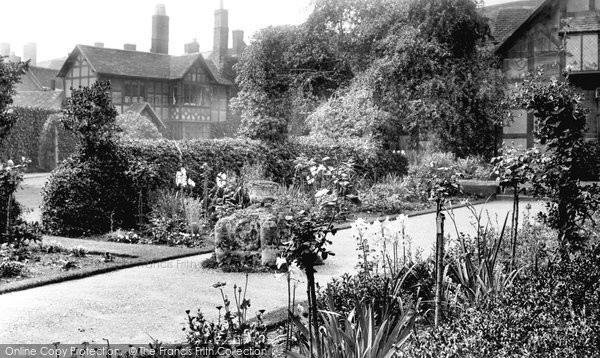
(262, 191)
(481, 188)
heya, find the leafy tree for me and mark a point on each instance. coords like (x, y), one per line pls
(136, 126)
(429, 91)
(351, 112)
(10, 75)
(91, 115)
(284, 74)
(456, 24)
(353, 28)
(561, 121)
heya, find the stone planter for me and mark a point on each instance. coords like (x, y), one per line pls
(481, 188)
(262, 191)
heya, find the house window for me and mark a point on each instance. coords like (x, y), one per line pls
(582, 52)
(135, 92)
(589, 49)
(578, 5)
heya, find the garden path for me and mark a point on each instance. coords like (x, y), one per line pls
(129, 305)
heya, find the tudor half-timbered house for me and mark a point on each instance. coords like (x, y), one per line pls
(185, 94)
(555, 36)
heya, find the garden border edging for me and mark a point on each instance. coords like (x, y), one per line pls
(84, 273)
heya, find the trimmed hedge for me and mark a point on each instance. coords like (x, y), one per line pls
(94, 196)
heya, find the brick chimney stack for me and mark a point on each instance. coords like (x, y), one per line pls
(160, 30)
(192, 47)
(221, 37)
(238, 42)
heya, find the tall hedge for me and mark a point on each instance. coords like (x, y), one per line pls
(83, 197)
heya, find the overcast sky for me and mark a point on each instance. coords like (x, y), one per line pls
(58, 25)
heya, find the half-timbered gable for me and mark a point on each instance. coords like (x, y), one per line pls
(555, 36)
(186, 92)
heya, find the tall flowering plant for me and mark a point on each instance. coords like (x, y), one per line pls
(11, 175)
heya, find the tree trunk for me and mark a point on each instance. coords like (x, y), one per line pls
(439, 265)
(312, 299)
(515, 225)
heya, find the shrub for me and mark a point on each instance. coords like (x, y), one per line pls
(136, 126)
(393, 195)
(79, 251)
(98, 194)
(10, 268)
(89, 196)
(52, 247)
(265, 128)
(10, 177)
(553, 314)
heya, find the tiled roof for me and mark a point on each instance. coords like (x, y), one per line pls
(139, 64)
(29, 83)
(141, 108)
(51, 100)
(38, 79)
(506, 18)
(585, 23)
(45, 75)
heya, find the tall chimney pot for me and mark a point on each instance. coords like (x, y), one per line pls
(238, 42)
(221, 35)
(160, 30)
(192, 47)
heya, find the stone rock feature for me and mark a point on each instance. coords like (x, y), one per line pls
(247, 233)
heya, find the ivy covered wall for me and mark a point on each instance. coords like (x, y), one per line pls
(33, 137)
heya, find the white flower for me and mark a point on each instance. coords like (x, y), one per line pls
(296, 274)
(321, 192)
(191, 183)
(181, 177)
(280, 262)
(10, 163)
(221, 180)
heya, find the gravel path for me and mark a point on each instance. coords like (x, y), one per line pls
(129, 305)
(30, 194)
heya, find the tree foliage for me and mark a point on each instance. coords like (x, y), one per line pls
(91, 115)
(456, 24)
(561, 122)
(379, 68)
